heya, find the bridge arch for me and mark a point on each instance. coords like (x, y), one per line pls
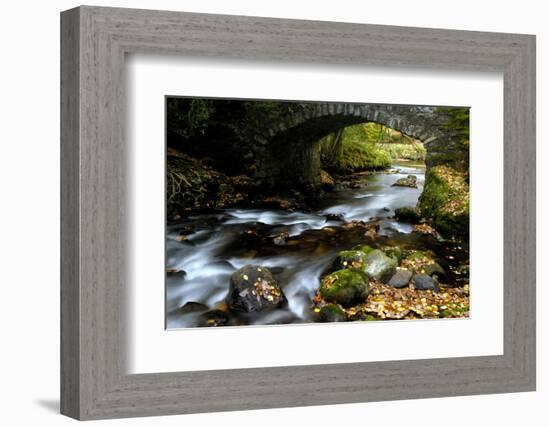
(289, 153)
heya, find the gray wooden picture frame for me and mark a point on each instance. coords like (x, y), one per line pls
(94, 382)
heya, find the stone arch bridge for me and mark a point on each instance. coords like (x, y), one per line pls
(289, 152)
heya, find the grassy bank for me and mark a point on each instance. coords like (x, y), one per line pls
(445, 201)
(351, 150)
(401, 151)
(367, 146)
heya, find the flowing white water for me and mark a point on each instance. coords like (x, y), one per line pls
(210, 253)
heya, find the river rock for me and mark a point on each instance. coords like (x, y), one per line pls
(407, 214)
(332, 313)
(409, 181)
(436, 270)
(345, 287)
(280, 239)
(175, 272)
(400, 279)
(340, 186)
(192, 307)
(423, 282)
(334, 217)
(379, 266)
(253, 288)
(214, 318)
(353, 260)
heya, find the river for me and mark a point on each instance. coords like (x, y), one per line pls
(217, 244)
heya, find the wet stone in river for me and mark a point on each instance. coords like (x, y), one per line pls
(192, 307)
(409, 181)
(252, 288)
(214, 318)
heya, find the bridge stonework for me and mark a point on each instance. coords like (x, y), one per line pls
(289, 153)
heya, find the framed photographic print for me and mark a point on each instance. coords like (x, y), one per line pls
(350, 209)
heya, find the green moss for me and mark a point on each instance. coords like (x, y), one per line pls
(366, 249)
(352, 151)
(405, 151)
(458, 121)
(413, 255)
(345, 287)
(332, 313)
(445, 201)
(394, 252)
(353, 260)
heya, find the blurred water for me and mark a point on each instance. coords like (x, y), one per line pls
(223, 242)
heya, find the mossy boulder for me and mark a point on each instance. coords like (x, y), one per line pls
(332, 313)
(408, 214)
(366, 249)
(445, 201)
(394, 252)
(379, 266)
(345, 287)
(353, 260)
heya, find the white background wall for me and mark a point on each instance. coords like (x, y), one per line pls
(29, 224)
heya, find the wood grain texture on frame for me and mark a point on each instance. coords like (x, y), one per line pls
(94, 41)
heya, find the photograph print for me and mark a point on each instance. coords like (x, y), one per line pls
(294, 212)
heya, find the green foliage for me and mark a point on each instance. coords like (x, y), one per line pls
(458, 121)
(353, 152)
(368, 146)
(345, 287)
(412, 151)
(188, 118)
(445, 201)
